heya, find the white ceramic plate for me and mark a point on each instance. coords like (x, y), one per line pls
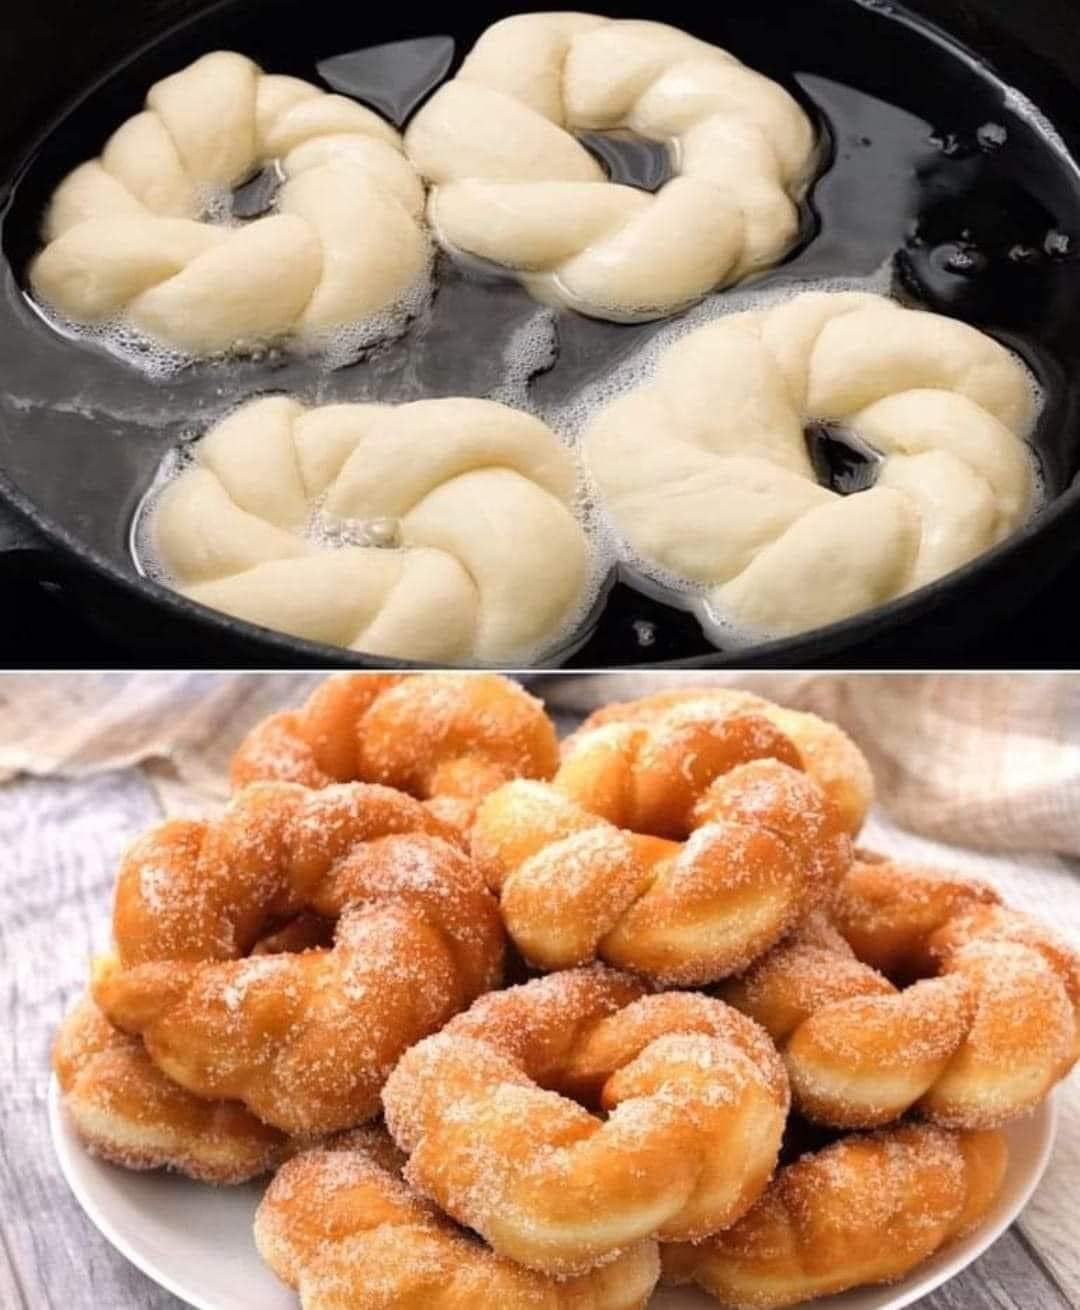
(196, 1241)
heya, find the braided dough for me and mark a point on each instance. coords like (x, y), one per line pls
(304, 1040)
(991, 1025)
(127, 1111)
(492, 563)
(867, 1209)
(129, 238)
(643, 763)
(449, 739)
(513, 185)
(707, 475)
(341, 1227)
(766, 848)
(695, 1100)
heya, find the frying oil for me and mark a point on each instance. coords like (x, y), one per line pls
(939, 185)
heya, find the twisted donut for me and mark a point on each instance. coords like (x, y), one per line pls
(128, 235)
(695, 1101)
(127, 1111)
(489, 563)
(643, 763)
(513, 185)
(448, 739)
(722, 423)
(341, 1227)
(867, 1209)
(766, 848)
(305, 1041)
(992, 1023)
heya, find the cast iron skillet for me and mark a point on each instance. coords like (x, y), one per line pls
(53, 53)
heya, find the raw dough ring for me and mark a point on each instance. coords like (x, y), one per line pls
(765, 848)
(340, 1226)
(492, 565)
(867, 1209)
(990, 1027)
(127, 236)
(449, 739)
(513, 185)
(304, 1040)
(695, 1096)
(128, 1112)
(722, 424)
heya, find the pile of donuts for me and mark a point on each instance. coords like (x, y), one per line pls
(520, 1025)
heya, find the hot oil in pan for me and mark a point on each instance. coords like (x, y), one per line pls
(940, 185)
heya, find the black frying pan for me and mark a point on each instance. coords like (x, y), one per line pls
(79, 442)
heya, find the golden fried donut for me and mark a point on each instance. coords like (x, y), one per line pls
(127, 1111)
(766, 847)
(514, 185)
(132, 236)
(982, 1035)
(304, 1040)
(440, 530)
(443, 737)
(680, 721)
(867, 1209)
(723, 422)
(340, 1226)
(694, 1096)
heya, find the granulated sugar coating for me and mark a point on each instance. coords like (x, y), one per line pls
(585, 871)
(696, 1101)
(977, 1043)
(304, 1040)
(444, 738)
(866, 1209)
(341, 1227)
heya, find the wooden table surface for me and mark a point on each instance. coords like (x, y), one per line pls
(59, 845)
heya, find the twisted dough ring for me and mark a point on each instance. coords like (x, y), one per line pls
(513, 185)
(340, 1226)
(766, 848)
(867, 1209)
(127, 236)
(490, 564)
(304, 1040)
(695, 1097)
(722, 424)
(127, 1111)
(448, 739)
(984, 1035)
(643, 763)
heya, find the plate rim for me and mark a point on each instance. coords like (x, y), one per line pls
(66, 1143)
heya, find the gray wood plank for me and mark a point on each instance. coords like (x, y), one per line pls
(59, 845)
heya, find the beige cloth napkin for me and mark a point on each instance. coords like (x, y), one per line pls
(975, 772)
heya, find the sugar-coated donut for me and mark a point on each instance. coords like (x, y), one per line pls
(484, 561)
(987, 1029)
(448, 739)
(304, 1040)
(766, 846)
(643, 763)
(340, 1226)
(723, 422)
(514, 185)
(128, 238)
(867, 1209)
(127, 1111)
(695, 1100)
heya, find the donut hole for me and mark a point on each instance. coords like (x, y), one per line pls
(629, 159)
(333, 533)
(253, 197)
(842, 461)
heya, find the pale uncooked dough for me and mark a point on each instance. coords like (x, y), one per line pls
(491, 564)
(707, 475)
(127, 238)
(513, 184)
